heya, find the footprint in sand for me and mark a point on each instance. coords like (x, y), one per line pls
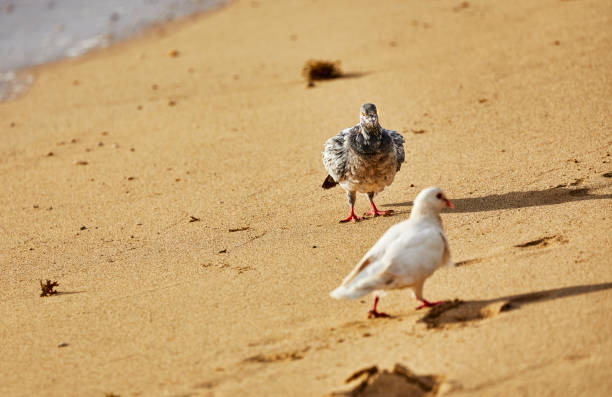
(543, 242)
(468, 262)
(276, 357)
(537, 243)
(458, 312)
(399, 382)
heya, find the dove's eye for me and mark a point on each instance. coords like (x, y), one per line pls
(439, 195)
(362, 113)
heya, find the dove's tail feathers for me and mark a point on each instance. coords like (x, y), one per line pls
(329, 182)
(343, 292)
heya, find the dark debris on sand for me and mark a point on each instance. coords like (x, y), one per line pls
(316, 69)
(47, 288)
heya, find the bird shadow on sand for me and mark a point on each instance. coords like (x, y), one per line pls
(457, 311)
(534, 198)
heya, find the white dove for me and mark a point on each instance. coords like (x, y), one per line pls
(405, 256)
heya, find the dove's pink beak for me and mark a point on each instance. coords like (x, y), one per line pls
(449, 204)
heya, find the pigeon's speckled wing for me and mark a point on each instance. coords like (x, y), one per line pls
(398, 144)
(335, 155)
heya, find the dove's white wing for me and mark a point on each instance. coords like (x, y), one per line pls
(378, 249)
(409, 254)
(414, 257)
(370, 278)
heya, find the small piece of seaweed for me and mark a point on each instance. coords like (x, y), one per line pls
(47, 289)
(315, 69)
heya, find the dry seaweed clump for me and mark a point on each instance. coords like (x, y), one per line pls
(47, 289)
(315, 69)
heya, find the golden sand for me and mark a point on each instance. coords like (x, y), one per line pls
(171, 185)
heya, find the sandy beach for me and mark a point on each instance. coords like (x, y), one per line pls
(171, 185)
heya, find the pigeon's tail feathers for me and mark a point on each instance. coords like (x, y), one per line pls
(344, 292)
(329, 182)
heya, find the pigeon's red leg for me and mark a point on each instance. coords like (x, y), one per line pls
(351, 196)
(374, 211)
(352, 216)
(376, 314)
(426, 303)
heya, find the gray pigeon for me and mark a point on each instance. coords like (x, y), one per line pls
(363, 158)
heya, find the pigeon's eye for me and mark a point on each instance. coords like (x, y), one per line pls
(363, 114)
(439, 195)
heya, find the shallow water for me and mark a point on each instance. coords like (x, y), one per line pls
(38, 31)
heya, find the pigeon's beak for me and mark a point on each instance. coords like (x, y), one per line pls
(449, 204)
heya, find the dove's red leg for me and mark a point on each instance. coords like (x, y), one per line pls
(376, 314)
(426, 303)
(374, 211)
(352, 217)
